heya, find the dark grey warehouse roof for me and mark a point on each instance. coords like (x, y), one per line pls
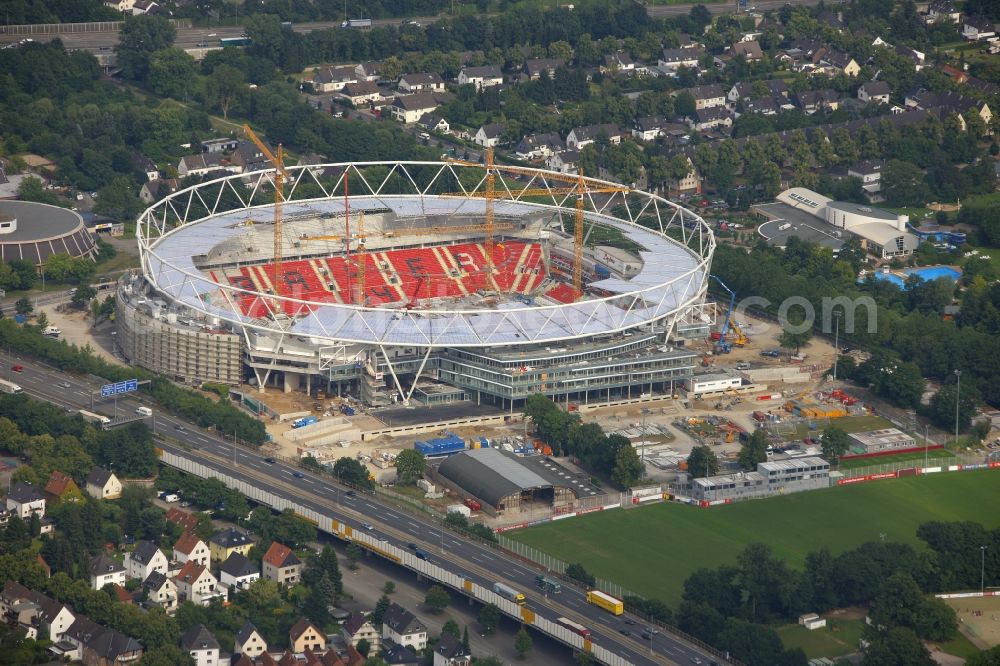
(43, 230)
(490, 474)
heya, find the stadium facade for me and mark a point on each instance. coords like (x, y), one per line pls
(419, 285)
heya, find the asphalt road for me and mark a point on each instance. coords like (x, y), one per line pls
(469, 559)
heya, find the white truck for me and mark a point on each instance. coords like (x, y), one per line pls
(358, 24)
(9, 387)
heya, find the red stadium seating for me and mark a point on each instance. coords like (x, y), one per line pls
(562, 292)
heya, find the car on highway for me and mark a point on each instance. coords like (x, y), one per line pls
(629, 621)
(269, 460)
(368, 526)
(411, 546)
(624, 632)
(695, 660)
(351, 493)
(298, 475)
(17, 368)
(64, 385)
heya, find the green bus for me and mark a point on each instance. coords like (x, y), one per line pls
(547, 584)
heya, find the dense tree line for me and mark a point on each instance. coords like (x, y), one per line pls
(610, 456)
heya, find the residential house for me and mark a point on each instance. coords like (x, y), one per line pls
(948, 102)
(837, 62)
(432, 122)
(124, 6)
(705, 120)
(708, 96)
(398, 655)
(368, 71)
(103, 484)
(306, 635)
(915, 56)
(104, 569)
(750, 51)
(187, 520)
(45, 613)
(421, 82)
(237, 572)
(689, 183)
(403, 628)
(481, 77)
(25, 499)
(874, 92)
(140, 7)
(765, 106)
(564, 161)
(870, 173)
(451, 652)
(199, 165)
(144, 559)
(248, 157)
(978, 29)
(201, 646)
(189, 548)
(281, 565)
(145, 166)
(488, 136)
(333, 79)
(811, 101)
(409, 108)
(361, 93)
(619, 61)
(62, 488)
(534, 67)
(943, 11)
(102, 646)
(581, 137)
(197, 584)
(672, 60)
(161, 590)
(538, 146)
(228, 541)
(649, 128)
(249, 642)
(357, 628)
(154, 190)
(226, 145)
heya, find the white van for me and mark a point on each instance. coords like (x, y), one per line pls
(144, 411)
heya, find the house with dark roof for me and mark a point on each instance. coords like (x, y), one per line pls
(811, 101)
(649, 128)
(201, 646)
(538, 146)
(710, 119)
(45, 613)
(948, 102)
(398, 655)
(488, 136)
(481, 77)
(451, 652)
(408, 109)
(154, 190)
(671, 60)
(358, 628)
(62, 488)
(361, 93)
(708, 96)
(333, 79)
(563, 161)
(870, 174)
(915, 56)
(421, 82)
(25, 499)
(432, 122)
(304, 635)
(237, 573)
(161, 590)
(750, 51)
(144, 559)
(102, 646)
(103, 484)
(978, 29)
(104, 569)
(248, 158)
(581, 137)
(620, 61)
(228, 541)
(943, 11)
(281, 565)
(874, 92)
(403, 628)
(368, 71)
(534, 67)
(249, 642)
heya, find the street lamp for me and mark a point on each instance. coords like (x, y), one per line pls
(958, 393)
(982, 569)
(836, 345)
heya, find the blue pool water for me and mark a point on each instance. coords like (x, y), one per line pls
(926, 273)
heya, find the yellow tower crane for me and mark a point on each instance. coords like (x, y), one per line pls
(279, 197)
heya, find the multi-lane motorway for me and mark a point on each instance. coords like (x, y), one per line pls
(472, 560)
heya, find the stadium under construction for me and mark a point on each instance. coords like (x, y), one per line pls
(419, 281)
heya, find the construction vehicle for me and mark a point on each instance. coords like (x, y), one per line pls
(723, 343)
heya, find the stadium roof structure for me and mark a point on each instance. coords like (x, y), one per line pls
(491, 474)
(675, 244)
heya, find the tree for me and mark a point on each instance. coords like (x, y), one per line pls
(903, 184)
(753, 451)
(901, 384)
(684, 104)
(942, 407)
(364, 647)
(172, 73)
(225, 87)
(437, 599)
(989, 657)
(321, 597)
(354, 554)
(522, 642)
(118, 199)
(790, 340)
(24, 306)
(451, 627)
(702, 462)
(381, 607)
(389, 587)
(140, 37)
(42, 321)
(489, 618)
(576, 572)
(834, 443)
(897, 646)
(410, 465)
(628, 468)
(352, 472)
(901, 603)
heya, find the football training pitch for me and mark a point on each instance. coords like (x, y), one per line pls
(652, 549)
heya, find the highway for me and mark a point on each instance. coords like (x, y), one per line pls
(470, 559)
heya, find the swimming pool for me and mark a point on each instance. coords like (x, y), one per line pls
(926, 273)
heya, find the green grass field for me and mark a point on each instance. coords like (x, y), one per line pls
(654, 549)
(848, 424)
(917, 456)
(825, 642)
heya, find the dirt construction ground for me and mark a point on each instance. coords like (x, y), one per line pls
(978, 619)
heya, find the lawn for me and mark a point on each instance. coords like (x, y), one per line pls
(848, 424)
(916, 456)
(824, 642)
(654, 549)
